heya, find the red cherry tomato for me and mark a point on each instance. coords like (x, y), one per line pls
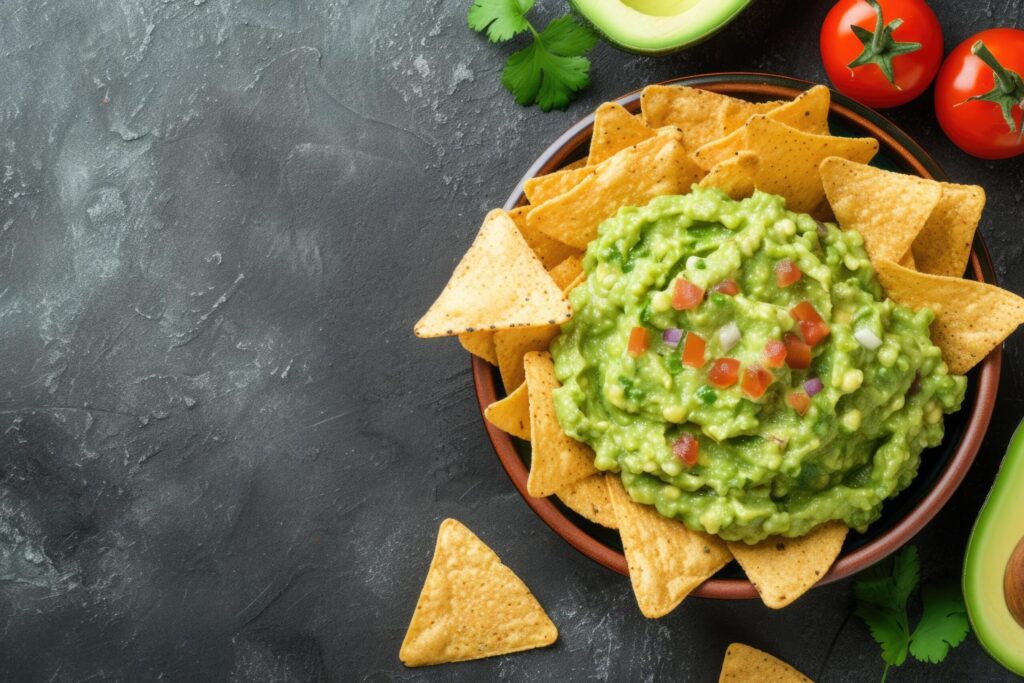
(881, 52)
(984, 127)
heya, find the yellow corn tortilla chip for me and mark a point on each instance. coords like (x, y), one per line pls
(632, 177)
(807, 112)
(498, 284)
(783, 569)
(557, 460)
(908, 261)
(666, 560)
(511, 345)
(701, 115)
(888, 209)
(550, 252)
(971, 318)
(788, 159)
(472, 606)
(734, 176)
(744, 664)
(944, 244)
(615, 129)
(512, 413)
(544, 187)
(589, 499)
(480, 344)
(579, 163)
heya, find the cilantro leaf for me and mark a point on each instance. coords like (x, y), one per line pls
(552, 69)
(500, 19)
(943, 623)
(888, 629)
(564, 36)
(906, 572)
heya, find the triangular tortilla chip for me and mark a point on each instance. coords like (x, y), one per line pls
(701, 115)
(632, 177)
(472, 606)
(744, 664)
(944, 245)
(512, 413)
(908, 261)
(666, 560)
(734, 176)
(589, 499)
(557, 460)
(544, 187)
(971, 318)
(480, 344)
(808, 112)
(789, 158)
(615, 129)
(551, 252)
(783, 569)
(888, 209)
(498, 284)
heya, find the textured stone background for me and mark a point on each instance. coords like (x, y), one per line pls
(222, 453)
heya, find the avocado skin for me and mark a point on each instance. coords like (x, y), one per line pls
(1003, 510)
(668, 49)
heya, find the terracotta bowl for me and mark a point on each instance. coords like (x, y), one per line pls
(942, 468)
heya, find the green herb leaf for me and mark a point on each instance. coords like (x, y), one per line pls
(500, 19)
(888, 628)
(943, 623)
(535, 76)
(566, 37)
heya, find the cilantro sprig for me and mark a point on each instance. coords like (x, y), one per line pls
(882, 596)
(552, 68)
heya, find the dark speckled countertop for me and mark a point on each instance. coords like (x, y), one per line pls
(223, 455)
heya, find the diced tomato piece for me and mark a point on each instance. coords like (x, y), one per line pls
(686, 295)
(727, 287)
(799, 401)
(693, 350)
(639, 341)
(756, 381)
(813, 332)
(805, 312)
(798, 354)
(774, 354)
(686, 448)
(724, 373)
(786, 273)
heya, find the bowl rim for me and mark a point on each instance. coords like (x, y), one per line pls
(900, 145)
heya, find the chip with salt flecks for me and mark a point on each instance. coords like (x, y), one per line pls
(633, 177)
(745, 664)
(783, 569)
(557, 459)
(701, 115)
(512, 413)
(808, 112)
(615, 129)
(971, 318)
(734, 176)
(589, 499)
(480, 344)
(666, 559)
(544, 187)
(944, 244)
(472, 606)
(498, 284)
(888, 209)
(550, 252)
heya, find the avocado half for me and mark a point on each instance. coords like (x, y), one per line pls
(997, 532)
(653, 27)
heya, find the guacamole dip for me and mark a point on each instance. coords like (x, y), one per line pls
(739, 365)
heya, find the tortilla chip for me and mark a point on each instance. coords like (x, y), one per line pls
(971, 318)
(632, 177)
(615, 129)
(498, 284)
(512, 413)
(744, 664)
(734, 176)
(542, 188)
(579, 163)
(701, 115)
(666, 560)
(789, 159)
(908, 261)
(808, 112)
(480, 344)
(944, 244)
(558, 460)
(550, 252)
(472, 606)
(589, 499)
(783, 569)
(888, 209)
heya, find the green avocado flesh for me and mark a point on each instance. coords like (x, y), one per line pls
(658, 26)
(763, 468)
(999, 528)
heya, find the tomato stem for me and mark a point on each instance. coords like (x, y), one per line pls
(1008, 91)
(880, 47)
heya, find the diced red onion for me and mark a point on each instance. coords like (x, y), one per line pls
(813, 386)
(868, 339)
(672, 336)
(728, 335)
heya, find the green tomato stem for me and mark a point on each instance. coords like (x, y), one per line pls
(1008, 90)
(880, 47)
